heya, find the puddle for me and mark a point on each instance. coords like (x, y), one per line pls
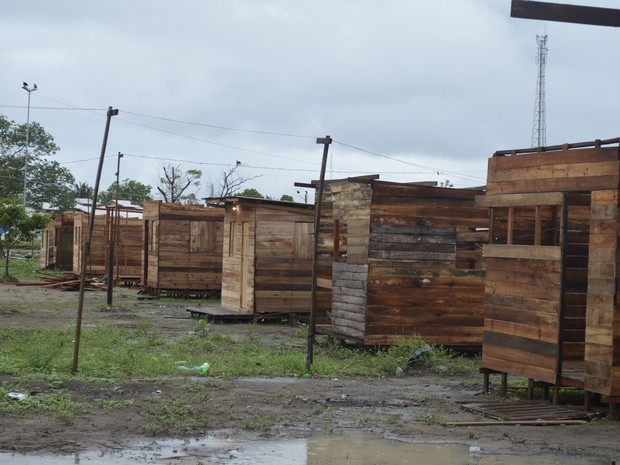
(347, 449)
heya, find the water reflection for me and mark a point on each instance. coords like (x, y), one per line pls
(339, 449)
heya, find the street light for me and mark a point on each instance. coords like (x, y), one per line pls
(29, 90)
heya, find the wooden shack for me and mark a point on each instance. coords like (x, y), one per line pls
(182, 249)
(57, 243)
(551, 311)
(267, 259)
(397, 260)
(125, 230)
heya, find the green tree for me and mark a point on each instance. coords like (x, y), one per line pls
(128, 189)
(250, 192)
(17, 225)
(174, 182)
(287, 198)
(83, 190)
(46, 180)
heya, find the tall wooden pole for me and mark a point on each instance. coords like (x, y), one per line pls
(113, 236)
(86, 248)
(317, 228)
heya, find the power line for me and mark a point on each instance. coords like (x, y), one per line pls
(429, 168)
(225, 128)
(257, 152)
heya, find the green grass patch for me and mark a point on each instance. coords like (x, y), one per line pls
(22, 268)
(165, 416)
(110, 352)
(54, 401)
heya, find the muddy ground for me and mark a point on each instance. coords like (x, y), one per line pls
(412, 407)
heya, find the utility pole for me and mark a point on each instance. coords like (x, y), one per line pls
(539, 128)
(326, 141)
(86, 250)
(29, 90)
(113, 235)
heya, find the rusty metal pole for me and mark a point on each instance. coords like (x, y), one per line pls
(86, 248)
(317, 228)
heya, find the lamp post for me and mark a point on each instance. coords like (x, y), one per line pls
(29, 90)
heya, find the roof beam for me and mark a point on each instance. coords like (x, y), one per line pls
(565, 13)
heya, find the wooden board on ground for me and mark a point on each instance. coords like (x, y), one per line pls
(525, 411)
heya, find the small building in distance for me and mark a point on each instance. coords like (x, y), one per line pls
(57, 243)
(124, 226)
(182, 249)
(267, 256)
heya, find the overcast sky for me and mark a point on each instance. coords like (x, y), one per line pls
(411, 90)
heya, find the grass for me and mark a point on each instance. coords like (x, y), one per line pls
(21, 269)
(110, 352)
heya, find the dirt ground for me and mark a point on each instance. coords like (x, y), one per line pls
(413, 407)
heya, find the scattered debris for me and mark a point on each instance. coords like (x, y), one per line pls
(422, 350)
(65, 283)
(200, 369)
(17, 396)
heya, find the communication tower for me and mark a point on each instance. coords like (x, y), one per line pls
(539, 129)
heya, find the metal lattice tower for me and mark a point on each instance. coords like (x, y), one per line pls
(539, 129)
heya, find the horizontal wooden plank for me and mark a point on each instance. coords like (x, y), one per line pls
(521, 251)
(520, 199)
(518, 367)
(576, 183)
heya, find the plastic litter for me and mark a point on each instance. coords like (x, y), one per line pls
(17, 395)
(425, 348)
(200, 369)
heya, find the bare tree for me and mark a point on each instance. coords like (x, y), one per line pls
(174, 181)
(229, 184)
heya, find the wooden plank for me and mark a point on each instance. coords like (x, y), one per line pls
(562, 12)
(576, 183)
(518, 367)
(521, 251)
(520, 199)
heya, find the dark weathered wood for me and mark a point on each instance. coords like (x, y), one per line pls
(561, 12)
(419, 251)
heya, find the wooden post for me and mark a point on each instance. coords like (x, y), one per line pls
(317, 228)
(564, 13)
(86, 249)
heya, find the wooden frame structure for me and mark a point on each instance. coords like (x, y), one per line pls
(127, 235)
(182, 252)
(267, 259)
(57, 243)
(551, 312)
(398, 260)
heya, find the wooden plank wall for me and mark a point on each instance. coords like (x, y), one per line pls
(602, 354)
(283, 271)
(185, 246)
(350, 288)
(48, 250)
(96, 262)
(562, 171)
(522, 299)
(426, 272)
(128, 247)
(235, 244)
(347, 223)
(525, 297)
